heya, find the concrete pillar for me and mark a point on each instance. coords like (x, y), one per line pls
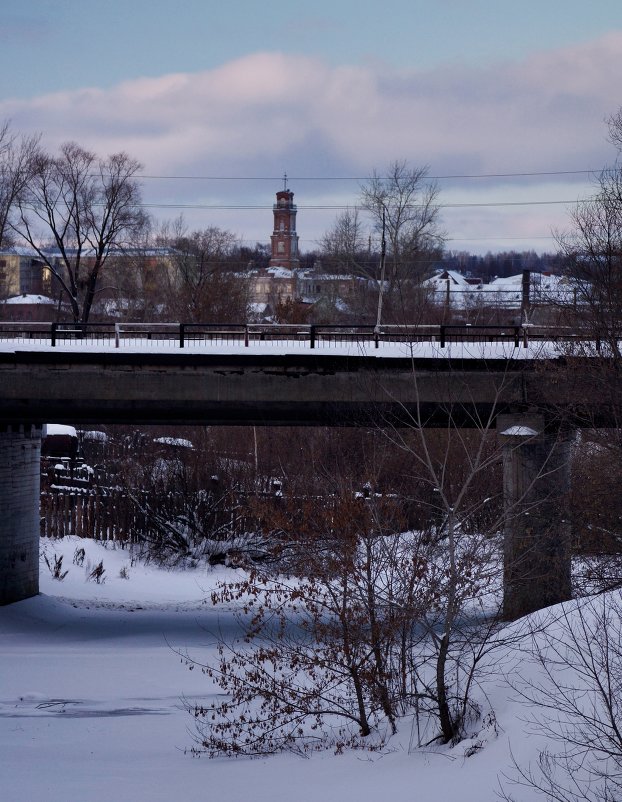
(536, 484)
(20, 467)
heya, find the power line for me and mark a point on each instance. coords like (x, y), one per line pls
(450, 176)
(548, 237)
(510, 203)
(343, 207)
(495, 239)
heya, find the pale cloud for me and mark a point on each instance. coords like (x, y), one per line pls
(549, 107)
(269, 111)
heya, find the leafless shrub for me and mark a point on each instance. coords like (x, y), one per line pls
(319, 662)
(97, 573)
(353, 638)
(56, 567)
(575, 703)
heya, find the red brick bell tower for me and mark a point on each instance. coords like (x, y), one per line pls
(284, 238)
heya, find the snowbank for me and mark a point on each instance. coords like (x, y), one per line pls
(90, 707)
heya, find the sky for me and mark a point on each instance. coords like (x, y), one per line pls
(219, 100)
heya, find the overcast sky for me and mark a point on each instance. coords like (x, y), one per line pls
(219, 99)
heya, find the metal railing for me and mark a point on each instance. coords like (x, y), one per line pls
(182, 335)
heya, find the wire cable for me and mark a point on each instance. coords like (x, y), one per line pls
(447, 177)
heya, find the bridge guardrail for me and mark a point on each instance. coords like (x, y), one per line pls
(316, 335)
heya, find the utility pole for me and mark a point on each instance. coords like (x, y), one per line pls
(524, 305)
(383, 253)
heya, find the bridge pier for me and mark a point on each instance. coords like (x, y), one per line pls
(20, 468)
(536, 485)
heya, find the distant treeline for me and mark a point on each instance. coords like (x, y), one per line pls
(486, 267)
(505, 263)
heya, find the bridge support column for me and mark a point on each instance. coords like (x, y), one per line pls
(20, 468)
(536, 485)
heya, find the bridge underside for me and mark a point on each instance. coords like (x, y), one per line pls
(260, 414)
(41, 387)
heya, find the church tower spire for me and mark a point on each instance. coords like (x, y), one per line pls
(284, 238)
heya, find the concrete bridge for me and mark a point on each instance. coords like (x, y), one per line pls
(258, 388)
(521, 396)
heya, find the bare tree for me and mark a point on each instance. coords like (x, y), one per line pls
(207, 285)
(461, 468)
(138, 279)
(408, 204)
(319, 662)
(574, 700)
(357, 630)
(89, 208)
(614, 123)
(592, 248)
(483, 532)
(345, 248)
(17, 158)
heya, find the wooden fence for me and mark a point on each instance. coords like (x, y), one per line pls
(101, 514)
(112, 514)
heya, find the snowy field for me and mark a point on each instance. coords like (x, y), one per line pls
(91, 706)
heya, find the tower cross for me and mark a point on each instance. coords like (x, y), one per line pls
(284, 180)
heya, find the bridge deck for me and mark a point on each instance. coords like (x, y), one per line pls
(265, 387)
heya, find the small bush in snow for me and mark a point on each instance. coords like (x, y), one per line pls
(97, 573)
(56, 568)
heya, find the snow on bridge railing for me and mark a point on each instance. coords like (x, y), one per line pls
(179, 335)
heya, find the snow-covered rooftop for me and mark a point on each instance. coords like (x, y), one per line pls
(179, 442)
(58, 429)
(25, 298)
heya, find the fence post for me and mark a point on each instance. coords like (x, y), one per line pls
(79, 529)
(246, 336)
(116, 335)
(53, 334)
(182, 334)
(312, 336)
(442, 336)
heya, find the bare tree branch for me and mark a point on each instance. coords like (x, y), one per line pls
(89, 207)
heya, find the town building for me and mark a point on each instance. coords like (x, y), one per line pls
(29, 307)
(22, 271)
(29, 291)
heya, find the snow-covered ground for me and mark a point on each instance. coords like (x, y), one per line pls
(90, 704)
